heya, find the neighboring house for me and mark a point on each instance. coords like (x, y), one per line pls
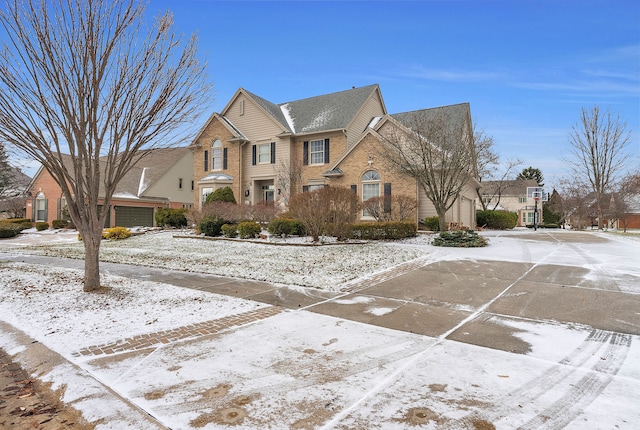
(511, 195)
(13, 198)
(266, 152)
(632, 216)
(163, 178)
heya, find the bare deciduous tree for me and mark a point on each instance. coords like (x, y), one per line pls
(288, 179)
(88, 78)
(498, 186)
(398, 207)
(628, 196)
(436, 148)
(598, 153)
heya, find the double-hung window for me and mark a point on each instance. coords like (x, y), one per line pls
(317, 151)
(216, 155)
(264, 153)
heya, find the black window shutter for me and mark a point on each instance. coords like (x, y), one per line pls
(305, 188)
(225, 155)
(387, 197)
(46, 210)
(354, 188)
(253, 155)
(34, 209)
(305, 153)
(206, 161)
(273, 153)
(326, 151)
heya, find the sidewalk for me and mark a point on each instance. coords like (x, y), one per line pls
(532, 343)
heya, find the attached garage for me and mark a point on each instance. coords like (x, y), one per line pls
(130, 216)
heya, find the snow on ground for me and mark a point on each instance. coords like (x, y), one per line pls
(48, 302)
(305, 370)
(326, 267)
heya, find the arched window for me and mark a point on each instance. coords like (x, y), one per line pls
(216, 155)
(370, 186)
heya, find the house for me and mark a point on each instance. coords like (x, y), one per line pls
(163, 178)
(267, 152)
(511, 195)
(632, 216)
(13, 195)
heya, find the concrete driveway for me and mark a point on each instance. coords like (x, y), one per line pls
(421, 315)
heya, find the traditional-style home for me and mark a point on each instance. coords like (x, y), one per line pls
(163, 178)
(511, 195)
(267, 152)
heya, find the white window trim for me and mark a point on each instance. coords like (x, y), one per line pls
(263, 150)
(216, 155)
(316, 152)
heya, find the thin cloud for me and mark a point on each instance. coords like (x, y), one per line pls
(450, 75)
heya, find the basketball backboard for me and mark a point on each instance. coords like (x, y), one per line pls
(538, 193)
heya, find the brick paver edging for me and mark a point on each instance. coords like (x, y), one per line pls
(186, 332)
(377, 278)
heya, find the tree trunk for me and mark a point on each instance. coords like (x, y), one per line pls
(91, 241)
(442, 218)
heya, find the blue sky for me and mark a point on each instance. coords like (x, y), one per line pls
(526, 67)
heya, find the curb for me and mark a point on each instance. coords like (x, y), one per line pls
(98, 404)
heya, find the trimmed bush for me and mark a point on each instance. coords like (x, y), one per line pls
(167, 217)
(284, 227)
(249, 229)
(59, 223)
(432, 223)
(211, 226)
(42, 226)
(116, 233)
(460, 239)
(17, 220)
(496, 220)
(384, 230)
(229, 230)
(221, 195)
(9, 229)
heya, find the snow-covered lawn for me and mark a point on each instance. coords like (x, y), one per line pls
(326, 267)
(304, 370)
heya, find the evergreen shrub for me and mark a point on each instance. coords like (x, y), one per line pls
(496, 220)
(460, 239)
(284, 227)
(211, 226)
(384, 230)
(168, 217)
(116, 233)
(229, 230)
(249, 229)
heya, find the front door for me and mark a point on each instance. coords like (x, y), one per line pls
(268, 193)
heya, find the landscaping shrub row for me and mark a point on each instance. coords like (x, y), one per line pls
(167, 217)
(496, 220)
(10, 229)
(384, 230)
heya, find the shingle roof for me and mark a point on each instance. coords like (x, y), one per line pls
(329, 111)
(326, 112)
(514, 187)
(154, 164)
(456, 114)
